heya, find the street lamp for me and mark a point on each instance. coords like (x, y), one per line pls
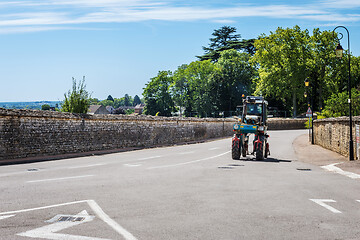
(339, 54)
(307, 84)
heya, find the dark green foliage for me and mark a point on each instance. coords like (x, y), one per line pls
(337, 105)
(45, 107)
(157, 97)
(110, 98)
(77, 100)
(136, 100)
(225, 39)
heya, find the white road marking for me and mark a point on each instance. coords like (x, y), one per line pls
(190, 162)
(322, 202)
(358, 200)
(183, 153)
(59, 179)
(49, 231)
(332, 168)
(103, 216)
(214, 148)
(146, 158)
(87, 166)
(4, 217)
(94, 206)
(132, 165)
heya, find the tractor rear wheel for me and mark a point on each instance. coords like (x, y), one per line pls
(260, 147)
(235, 150)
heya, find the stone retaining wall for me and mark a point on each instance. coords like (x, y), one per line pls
(286, 123)
(334, 134)
(31, 133)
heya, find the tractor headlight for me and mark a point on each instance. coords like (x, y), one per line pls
(261, 128)
(236, 127)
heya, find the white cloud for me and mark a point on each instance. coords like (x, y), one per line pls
(52, 13)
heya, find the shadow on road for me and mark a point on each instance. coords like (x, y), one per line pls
(272, 160)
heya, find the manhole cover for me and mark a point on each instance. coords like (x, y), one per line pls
(236, 165)
(303, 169)
(33, 169)
(226, 167)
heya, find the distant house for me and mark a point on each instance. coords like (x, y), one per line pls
(110, 109)
(139, 108)
(97, 109)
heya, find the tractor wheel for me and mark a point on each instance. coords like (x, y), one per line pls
(235, 150)
(260, 147)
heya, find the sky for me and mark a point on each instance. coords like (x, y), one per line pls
(119, 45)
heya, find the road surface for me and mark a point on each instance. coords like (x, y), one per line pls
(183, 192)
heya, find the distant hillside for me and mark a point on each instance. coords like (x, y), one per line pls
(28, 105)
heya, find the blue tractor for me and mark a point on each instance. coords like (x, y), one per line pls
(252, 121)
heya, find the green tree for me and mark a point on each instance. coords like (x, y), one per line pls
(137, 100)
(282, 57)
(106, 103)
(226, 38)
(127, 101)
(45, 107)
(234, 78)
(77, 100)
(337, 104)
(157, 97)
(110, 98)
(94, 101)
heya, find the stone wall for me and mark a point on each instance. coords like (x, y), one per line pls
(334, 134)
(286, 123)
(30, 133)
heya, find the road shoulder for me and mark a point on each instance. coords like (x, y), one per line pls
(319, 156)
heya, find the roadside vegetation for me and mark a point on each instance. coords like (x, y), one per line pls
(274, 66)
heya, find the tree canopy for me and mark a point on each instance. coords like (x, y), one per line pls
(226, 38)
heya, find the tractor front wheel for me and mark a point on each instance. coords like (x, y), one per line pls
(236, 148)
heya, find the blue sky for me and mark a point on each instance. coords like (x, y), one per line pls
(118, 45)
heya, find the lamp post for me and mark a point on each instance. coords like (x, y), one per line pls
(307, 84)
(339, 54)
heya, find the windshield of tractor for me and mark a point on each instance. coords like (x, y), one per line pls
(253, 109)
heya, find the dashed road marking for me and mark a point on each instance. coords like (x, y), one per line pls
(132, 165)
(87, 166)
(322, 202)
(183, 153)
(190, 162)
(59, 179)
(214, 148)
(146, 158)
(4, 217)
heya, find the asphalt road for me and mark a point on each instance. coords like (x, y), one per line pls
(183, 192)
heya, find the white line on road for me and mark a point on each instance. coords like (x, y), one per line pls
(132, 165)
(322, 202)
(103, 216)
(94, 206)
(214, 148)
(4, 217)
(42, 208)
(146, 158)
(190, 162)
(59, 179)
(332, 168)
(86, 166)
(183, 153)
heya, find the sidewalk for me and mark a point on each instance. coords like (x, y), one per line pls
(314, 154)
